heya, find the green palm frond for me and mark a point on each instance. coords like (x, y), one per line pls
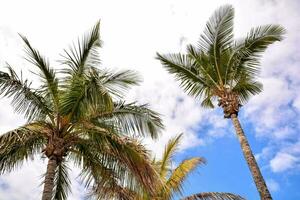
(113, 191)
(49, 87)
(83, 93)
(214, 196)
(98, 170)
(84, 54)
(131, 118)
(62, 183)
(168, 155)
(181, 66)
(219, 31)
(17, 146)
(207, 102)
(109, 167)
(84, 155)
(135, 158)
(118, 82)
(246, 54)
(246, 87)
(25, 100)
(179, 175)
(218, 36)
(202, 66)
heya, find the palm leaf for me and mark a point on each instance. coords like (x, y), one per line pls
(214, 196)
(246, 87)
(62, 182)
(129, 153)
(131, 118)
(219, 31)
(25, 99)
(85, 55)
(117, 83)
(113, 191)
(181, 66)
(112, 165)
(168, 154)
(82, 94)
(202, 66)
(246, 54)
(19, 145)
(178, 176)
(47, 74)
(218, 36)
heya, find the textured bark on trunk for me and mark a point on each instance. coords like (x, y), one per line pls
(256, 174)
(49, 180)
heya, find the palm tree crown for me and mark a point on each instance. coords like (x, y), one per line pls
(219, 67)
(77, 114)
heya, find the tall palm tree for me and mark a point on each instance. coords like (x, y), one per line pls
(172, 179)
(220, 68)
(77, 114)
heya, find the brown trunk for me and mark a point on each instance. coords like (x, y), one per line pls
(49, 179)
(256, 174)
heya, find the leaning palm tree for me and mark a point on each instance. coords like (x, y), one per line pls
(219, 68)
(77, 115)
(172, 179)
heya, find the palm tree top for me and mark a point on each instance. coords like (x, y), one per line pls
(218, 65)
(64, 95)
(78, 114)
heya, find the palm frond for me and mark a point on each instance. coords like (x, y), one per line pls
(246, 54)
(136, 158)
(219, 31)
(113, 191)
(118, 82)
(85, 55)
(129, 153)
(181, 66)
(106, 171)
(168, 155)
(207, 102)
(19, 145)
(218, 36)
(62, 183)
(84, 93)
(214, 196)
(131, 118)
(50, 83)
(178, 176)
(202, 66)
(246, 87)
(24, 99)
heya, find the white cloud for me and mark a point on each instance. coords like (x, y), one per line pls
(282, 162)
(264, 154)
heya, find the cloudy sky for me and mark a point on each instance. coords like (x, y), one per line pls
(133, 31)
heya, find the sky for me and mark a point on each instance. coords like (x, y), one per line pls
(132, 32)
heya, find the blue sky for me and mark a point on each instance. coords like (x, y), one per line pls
(226, 170)
(133, 31)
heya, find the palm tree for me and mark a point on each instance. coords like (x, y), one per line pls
(223, 69)
(77, 114)
(172, 179)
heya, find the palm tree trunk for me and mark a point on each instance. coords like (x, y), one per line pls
(49, 179)
(256, 174)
